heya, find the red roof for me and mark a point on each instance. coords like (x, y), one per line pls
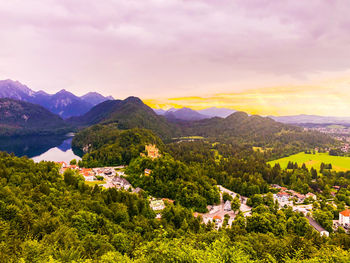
(169, 200)
(346, 212)
(217, 217)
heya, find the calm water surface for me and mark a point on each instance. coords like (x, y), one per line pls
(41, 148)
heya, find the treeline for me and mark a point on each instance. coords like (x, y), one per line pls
(47, 217)
(172, 179)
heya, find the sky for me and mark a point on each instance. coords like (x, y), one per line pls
(264, 57)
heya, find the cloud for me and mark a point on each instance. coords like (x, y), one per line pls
(174, 48)
(269, 101)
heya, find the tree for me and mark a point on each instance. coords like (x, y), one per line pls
(73, 162)
(235, 204)
(226, 196)
(324, 218)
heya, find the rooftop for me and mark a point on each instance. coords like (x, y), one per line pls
(346, 212)
(315, 225)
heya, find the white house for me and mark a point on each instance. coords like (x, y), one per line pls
(344, 217)
(313, 196)
(227, 206)
(283, 196)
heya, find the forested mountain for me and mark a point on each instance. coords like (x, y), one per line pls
(128, 113)
(23, 118)
(254, 130)
(62, 103)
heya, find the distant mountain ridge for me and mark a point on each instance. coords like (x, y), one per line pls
(311, 119)
(185, 114)
(62, 103)
(188, 114)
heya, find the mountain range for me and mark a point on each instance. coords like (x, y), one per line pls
(188, 114)
(238, 126)
(23, 118)
(63, 103)
(311, 119)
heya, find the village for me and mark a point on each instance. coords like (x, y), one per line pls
(220, 214)
(303, 204)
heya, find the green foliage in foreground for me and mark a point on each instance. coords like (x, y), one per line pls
(173, 179)
(47, 217)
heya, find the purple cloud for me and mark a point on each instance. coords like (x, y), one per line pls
(171, 47)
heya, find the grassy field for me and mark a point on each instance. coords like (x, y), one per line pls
(95, 182)
(339, 163)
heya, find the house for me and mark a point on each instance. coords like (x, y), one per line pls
(90, 178)
(311, 195)
(168, 200)
(148, 172)
(333, 193)
(86, 172)
(137, 190)
(217, 219)
(159, 216)
(121, 173)
(120, 182)
(63, 164)
(300, 198)
(316, 226)
(157, 204)
(227, 206)
(282, 196)
(344, 218)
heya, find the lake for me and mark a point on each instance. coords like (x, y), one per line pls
(41, 148)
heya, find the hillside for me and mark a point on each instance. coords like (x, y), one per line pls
(23, 118)
(128, 113)
(255, 129)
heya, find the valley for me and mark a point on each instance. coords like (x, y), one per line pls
(146, 180)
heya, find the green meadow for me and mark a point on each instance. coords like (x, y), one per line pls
(339, 163)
